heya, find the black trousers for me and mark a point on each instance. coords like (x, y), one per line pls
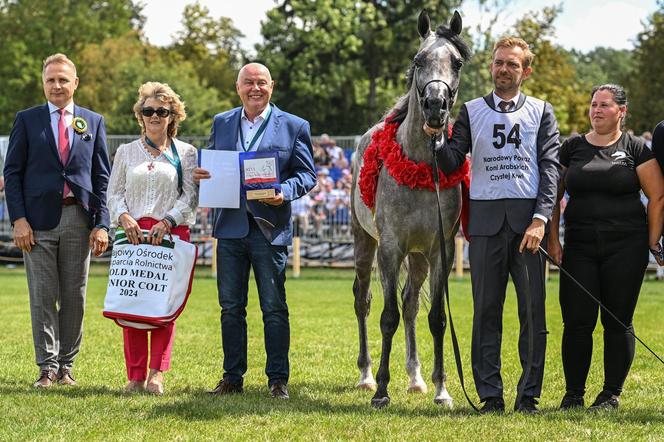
(493, 259)
(611, 265)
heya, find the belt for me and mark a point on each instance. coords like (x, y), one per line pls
(69, 201)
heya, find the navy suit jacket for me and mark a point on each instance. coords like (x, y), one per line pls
(35, 177)
(289, 136)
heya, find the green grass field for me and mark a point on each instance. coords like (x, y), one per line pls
(324, 404)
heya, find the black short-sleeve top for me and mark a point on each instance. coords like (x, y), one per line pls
(602, 184)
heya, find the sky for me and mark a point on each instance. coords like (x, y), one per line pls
(583, 24)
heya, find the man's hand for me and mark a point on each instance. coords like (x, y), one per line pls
(278, 200)
(23, 237)
(431, 131)
(200, 174)
(533, 236)
(98, 241)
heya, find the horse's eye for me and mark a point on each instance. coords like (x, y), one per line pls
(457, 63)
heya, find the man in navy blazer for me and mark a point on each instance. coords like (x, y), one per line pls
(56, 174)
(256, 235)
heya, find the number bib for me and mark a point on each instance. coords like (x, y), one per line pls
(504, 150)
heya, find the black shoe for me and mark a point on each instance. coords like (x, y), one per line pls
(605, 401)
(528, 405)
(279, 391)
(493, 405)
(226, 387)
(570, 401)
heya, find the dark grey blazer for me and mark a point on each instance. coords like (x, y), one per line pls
(487, 217)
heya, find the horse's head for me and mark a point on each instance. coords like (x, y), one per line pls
(436, 68)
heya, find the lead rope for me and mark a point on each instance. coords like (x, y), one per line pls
(585, 290)
(443, 263)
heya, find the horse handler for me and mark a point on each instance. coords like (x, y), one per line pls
(515, 171)
(256, 235)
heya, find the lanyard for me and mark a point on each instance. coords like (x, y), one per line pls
(258, 133)
(175, 161)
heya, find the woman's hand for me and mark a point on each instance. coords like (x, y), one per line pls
(131, 228)
(656, 250)
(158, 231)
(555, 250)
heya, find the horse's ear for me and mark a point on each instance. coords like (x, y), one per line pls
(423, 24)
(455, 23)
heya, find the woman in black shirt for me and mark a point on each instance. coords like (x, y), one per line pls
(607, 237)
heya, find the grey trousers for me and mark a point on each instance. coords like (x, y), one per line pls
(57, 269)
(492, 260)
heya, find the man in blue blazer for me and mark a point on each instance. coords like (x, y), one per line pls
(256, 235)
(56, 173)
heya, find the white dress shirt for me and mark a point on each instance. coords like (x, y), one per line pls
(147, 187)
(497, 100)
(249, 130)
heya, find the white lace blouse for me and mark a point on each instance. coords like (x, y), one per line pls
(145, 186)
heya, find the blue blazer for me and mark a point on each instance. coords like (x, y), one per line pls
(289, 136)
(35, 177)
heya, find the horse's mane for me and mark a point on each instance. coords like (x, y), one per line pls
(400, 110)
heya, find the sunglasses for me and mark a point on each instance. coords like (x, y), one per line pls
(162, 112)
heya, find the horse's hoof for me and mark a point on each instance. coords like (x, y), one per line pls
(381, 402)
(418, 388)
(370, 386)
(444, 402)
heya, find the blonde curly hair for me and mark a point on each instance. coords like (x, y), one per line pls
(163, 93)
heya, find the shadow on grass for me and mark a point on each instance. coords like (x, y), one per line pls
(76, 392)
(325, 399)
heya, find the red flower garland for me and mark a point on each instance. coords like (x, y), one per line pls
(384, 149)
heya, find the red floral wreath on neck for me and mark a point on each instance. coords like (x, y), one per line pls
(384, 150)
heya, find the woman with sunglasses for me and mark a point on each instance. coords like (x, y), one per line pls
(151, 188)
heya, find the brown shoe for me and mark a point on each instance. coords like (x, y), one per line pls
(135, 387)
(226, 387)
(46, 379)
(279, 391)
(65, 377)
(155, 383)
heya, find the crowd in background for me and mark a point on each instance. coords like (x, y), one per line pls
(325, 211)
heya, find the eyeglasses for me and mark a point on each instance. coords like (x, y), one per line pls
(161, 112)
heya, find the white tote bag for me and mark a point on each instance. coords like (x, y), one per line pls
(148, 285)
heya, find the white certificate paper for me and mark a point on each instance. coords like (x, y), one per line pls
(222, 189)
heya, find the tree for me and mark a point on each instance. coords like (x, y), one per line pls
(31, 30)
(603, 65)
(111, 73)
(554, 78)
(212, 47)
(342, 63)
(646, 82)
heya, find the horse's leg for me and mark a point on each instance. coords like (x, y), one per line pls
(438, 322)
(417, 273)
(389, 261)
(364, 252)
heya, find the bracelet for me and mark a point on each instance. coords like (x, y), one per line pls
(166, 224)
(171, 220)
(659, 254)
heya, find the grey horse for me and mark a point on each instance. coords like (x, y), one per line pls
(404, 224)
